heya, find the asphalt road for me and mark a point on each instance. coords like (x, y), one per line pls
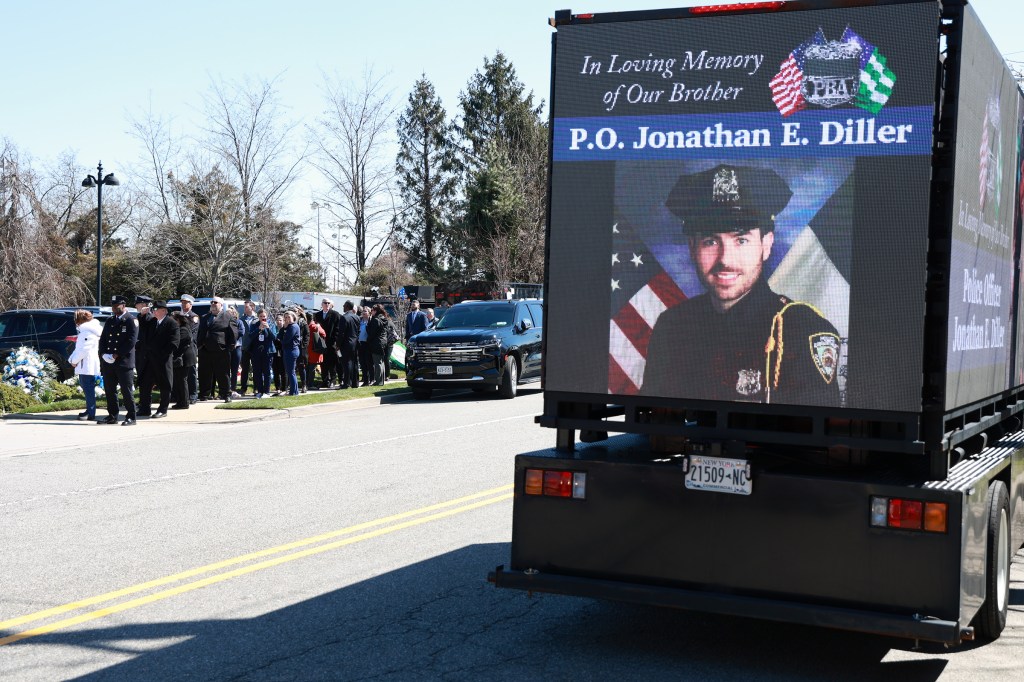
(349, 545)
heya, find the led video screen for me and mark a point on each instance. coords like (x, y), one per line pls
(740, 204)
(985, 190)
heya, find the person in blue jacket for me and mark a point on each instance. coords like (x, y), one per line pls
(260, 343)
(290, 339)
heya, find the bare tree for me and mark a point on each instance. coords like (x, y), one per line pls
(351, 151)
(28, 276)
(246, 128)
(161, 155)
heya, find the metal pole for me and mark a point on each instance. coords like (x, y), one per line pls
(318, 234)
(99, 234)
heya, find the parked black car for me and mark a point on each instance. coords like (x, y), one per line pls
(51, 333)
(481, 345)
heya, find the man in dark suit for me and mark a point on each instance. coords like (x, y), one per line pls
(117, 354)
(415, 321)
(330, 319)
(162, 344)
(216, 339)
(146, 323)
(348, 338)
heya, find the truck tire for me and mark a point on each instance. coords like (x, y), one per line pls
(421, 393)
(991, 619)
(510, 380)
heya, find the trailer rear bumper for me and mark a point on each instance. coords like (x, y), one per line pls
(915, 626)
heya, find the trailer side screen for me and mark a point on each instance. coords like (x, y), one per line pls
(740, 206)
(980, 324)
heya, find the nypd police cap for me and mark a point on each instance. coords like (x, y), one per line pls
(118, 300)
(140, 298)
(728, 198)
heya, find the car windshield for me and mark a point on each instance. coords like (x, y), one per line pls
(477, 316)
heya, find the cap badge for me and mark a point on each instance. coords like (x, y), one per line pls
(748, 382)
(725, 187)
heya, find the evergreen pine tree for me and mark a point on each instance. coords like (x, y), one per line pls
(505, 159)
(426, 170)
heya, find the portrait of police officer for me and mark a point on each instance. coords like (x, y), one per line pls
(739, 340)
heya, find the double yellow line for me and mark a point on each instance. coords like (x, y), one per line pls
(281, 554)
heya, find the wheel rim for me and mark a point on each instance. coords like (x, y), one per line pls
(1003, 559)
(513, 373)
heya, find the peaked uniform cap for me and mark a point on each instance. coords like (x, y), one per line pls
(728, 198)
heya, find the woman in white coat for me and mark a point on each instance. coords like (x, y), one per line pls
(86, 360)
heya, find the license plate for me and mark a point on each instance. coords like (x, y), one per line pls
(719, 475)
(444, 369)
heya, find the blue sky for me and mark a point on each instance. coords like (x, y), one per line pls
(75, 71)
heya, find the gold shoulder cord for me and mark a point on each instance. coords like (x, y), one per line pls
(775, 342)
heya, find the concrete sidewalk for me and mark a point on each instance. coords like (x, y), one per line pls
(207, 413)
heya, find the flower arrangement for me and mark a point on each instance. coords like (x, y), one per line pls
(75, 384)
(28, 371)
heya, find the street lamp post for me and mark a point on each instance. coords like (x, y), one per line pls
(96, 182)
(317, 206)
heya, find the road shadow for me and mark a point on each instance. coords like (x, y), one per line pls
(460, 395)
(439, 619)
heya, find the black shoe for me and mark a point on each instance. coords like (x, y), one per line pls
(128, 422)
(228, 399)
(83, 414)
(143, 414)
(193, 401)
(203, 398)
(84, 417)
(179, 407)
(159, 415)
(108, 420)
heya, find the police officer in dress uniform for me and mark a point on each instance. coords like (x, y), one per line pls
(163, 342)
(147, 379)
(192, 324)
(117, 353)
(739, 341)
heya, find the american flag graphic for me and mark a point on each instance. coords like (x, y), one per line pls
(641, 291)
(787, 84)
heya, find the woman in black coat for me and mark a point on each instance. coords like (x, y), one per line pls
(183, 360)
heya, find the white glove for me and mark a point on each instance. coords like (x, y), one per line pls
(108, 358)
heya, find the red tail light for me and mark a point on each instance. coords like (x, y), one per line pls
(556, 483)
(895, 512)
(71, 339)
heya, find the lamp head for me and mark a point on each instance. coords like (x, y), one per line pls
(89, 181)
(109, 179)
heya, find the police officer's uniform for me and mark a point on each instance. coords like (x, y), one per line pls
(765, 347)
(147, 376)
(118, 340)
(192, 372)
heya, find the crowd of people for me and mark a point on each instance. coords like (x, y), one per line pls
(189, 358)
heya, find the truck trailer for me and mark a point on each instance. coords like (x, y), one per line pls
(800, 396)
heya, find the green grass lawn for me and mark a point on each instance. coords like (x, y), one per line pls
(316, 397)
(59, 406)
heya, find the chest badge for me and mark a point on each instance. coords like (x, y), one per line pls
(825, 353)
(748, 382)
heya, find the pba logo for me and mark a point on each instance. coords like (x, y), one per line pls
(828, 73)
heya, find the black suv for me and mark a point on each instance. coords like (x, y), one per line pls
(481, 345)
(51, 333)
